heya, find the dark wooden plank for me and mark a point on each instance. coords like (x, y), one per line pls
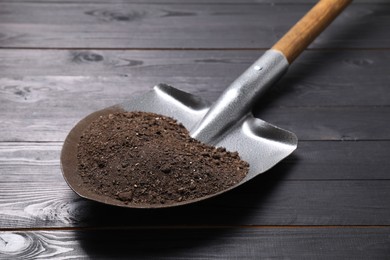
(204, 243)
(362, 76)
(34, 194)
(51, 119)
(311, 161)
(20, 162)
(327, 123)
(336, 161)
(164, 2)
(123, 25)
(44, 200)
(42, 102)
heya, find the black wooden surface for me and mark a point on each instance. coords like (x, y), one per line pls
(68, 24)
(61, 60)
(205, 243)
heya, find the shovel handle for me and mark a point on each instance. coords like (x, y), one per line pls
(238, 99)
(309, 27)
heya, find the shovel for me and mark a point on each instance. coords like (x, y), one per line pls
(229, 121)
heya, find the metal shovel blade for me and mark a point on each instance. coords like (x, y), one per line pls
(259, 143)
(227, 123)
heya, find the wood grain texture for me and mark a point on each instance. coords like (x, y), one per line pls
(49, 98)
(222, 243)
(48, 205)
(324, 123)
(208, 2)
(317, 78)
(51, 119)
(39, 162)
(315, 187)
(124, 25)
(303, 33)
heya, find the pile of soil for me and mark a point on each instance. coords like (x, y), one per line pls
(144, 158)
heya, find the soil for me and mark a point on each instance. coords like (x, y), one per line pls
(143, 158)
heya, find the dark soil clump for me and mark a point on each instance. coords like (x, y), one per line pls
(147, 159)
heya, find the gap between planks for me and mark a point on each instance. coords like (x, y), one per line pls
(190, 227)
(181, 49)
(173, 2)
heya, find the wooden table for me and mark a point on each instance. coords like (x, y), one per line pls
(61, 60)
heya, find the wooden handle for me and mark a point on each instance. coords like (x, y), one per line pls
(309, 27)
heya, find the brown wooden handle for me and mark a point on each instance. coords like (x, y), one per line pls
(309, 27)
